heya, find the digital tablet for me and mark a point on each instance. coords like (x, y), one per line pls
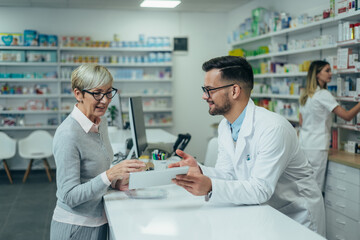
(155, 178)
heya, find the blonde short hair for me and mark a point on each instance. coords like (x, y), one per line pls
(89, 76)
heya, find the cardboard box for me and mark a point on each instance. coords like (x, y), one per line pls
(11, 39)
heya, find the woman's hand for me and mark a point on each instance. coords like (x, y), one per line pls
(122, 169)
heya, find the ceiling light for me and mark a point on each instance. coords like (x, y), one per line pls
(159, 3)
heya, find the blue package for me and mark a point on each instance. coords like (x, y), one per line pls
(30, 38)
(43, 40)
(52, 40)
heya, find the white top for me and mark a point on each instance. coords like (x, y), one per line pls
(316, 125)
(61, 215)
(182, 216)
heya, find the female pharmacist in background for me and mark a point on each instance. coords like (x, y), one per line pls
(316, 106)
(83, 155)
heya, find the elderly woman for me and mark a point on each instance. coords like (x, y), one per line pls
(83, 155)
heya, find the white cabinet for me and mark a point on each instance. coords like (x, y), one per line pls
(342, 202)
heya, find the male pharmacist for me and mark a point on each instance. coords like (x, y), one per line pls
(259, 159)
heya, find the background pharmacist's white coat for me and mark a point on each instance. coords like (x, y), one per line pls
(266, 166)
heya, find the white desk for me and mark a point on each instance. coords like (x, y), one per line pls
(182, 216)
(118, 138)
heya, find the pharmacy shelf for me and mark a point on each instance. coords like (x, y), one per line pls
(308, 27)
(115, 49)
(150, 80)
(59, 66)
(37, 80)
(29, 64)
(349, 127)
(349, 43)
(291, 52)
(28, 48)
(127, 95)
(347, 71)
(348, 99)
(274, 75)
(16, 128)
(279, 96)
(29, 112)
(152, 110)
(165, 64)
(36, 96)
(143, 80)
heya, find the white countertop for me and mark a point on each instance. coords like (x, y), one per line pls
(183, 216)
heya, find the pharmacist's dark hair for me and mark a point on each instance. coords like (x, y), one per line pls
(234, 69)
(311, 80)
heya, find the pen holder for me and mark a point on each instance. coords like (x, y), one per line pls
(160, 164)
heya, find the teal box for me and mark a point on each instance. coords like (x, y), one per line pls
(11, 39)
(41, 56)
(43, 40)
(12, 56)
(31, 38)
(53, 40)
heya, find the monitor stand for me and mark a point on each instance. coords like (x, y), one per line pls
(131, 152)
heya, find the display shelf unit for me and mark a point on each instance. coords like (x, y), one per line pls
(277, 96)
(280, 75)
(35, 61)
(60, 97)
(291, 52)
(302, 28)
(304, 32)
(342, 186)
(131, 85)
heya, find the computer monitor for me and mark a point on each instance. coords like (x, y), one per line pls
(137, 125)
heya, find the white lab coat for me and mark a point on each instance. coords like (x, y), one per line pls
(266, 166)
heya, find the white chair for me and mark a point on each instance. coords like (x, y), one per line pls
(7, 151)
(211, 152)
(38, 145)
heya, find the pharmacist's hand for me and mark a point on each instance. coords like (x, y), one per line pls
(196, 184)
(122, 169)
(187, 160)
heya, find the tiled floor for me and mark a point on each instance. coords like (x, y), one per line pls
(26, 208)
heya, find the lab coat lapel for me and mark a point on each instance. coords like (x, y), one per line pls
(246, 129)
(228, 141)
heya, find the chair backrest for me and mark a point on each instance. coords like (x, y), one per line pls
(37, 145)
(7, 146)
(211, 152)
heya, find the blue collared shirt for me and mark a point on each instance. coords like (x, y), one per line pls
(235, 127)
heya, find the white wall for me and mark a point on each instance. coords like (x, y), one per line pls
(207, 38)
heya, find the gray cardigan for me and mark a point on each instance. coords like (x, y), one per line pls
(80, 158)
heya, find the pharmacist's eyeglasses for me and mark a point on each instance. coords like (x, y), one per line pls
(98, 96)
(207, 90)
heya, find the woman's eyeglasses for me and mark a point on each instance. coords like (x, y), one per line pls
(98, 96)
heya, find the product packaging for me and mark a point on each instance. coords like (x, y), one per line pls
(30, 38)
(11, 39)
